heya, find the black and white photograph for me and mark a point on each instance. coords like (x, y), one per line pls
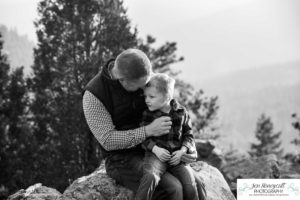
(149, 99)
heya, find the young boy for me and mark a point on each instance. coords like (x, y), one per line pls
(164, 153)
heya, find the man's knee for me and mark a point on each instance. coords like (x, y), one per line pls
(151, 177)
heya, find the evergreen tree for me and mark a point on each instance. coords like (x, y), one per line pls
(296, 125)
(269, 141)
(16, 142)
(74, 40)
(295, 158)
(4, 78)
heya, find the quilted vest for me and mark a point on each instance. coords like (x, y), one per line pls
(125, 107)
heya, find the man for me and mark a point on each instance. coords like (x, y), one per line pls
(113, 104)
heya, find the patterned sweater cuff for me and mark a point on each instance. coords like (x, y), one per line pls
(140, 135)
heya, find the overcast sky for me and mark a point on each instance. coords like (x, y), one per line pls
(215, 36)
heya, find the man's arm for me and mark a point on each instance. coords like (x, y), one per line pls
(149, 143)
(101, 125)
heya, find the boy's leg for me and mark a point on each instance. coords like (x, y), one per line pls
(129, 170)
(187, 179)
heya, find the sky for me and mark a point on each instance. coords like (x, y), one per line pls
(215, 37)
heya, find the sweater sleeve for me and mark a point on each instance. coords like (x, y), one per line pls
(101, 125)
(149, 143)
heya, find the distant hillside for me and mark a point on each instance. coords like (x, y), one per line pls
(246, 94)
(257, 34)
(18, 48)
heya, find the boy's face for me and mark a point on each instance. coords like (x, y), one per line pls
(154, 99)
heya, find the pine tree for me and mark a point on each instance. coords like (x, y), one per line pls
(268, 141)
(74, 40)
(296, 125)
(16, 142)
(4, 100)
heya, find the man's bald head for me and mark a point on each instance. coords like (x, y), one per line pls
(133, 64)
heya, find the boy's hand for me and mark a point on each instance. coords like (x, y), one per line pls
(161, 153)
(176, 157)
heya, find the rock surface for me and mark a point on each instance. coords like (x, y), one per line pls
(208, 153)
(36, 192)
(259, 168)
(215, 184)
(289, 170)
(99, 186)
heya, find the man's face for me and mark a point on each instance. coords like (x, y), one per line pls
(155, 100)
(130, 85)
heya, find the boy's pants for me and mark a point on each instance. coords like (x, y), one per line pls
(127, 170)
(154, 169)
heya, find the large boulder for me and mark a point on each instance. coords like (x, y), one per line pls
(36, 192)
(208, 152)
(215, 185)
(99, 186)
(204, 147)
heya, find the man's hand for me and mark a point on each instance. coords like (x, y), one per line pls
(158, 127)
(176, 157)
(161, 153)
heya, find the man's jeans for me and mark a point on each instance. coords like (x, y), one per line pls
(127, 170)
(154, 169)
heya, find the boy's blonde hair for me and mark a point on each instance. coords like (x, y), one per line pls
(163, 83)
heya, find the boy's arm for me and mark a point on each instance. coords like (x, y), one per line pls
(187, 134)
(188, 141)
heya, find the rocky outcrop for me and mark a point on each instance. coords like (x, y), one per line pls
(259, 168)
(99, 186)
(209, 153)
(215, 185)
(289, 170)
(36, 192)
(96, 186)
